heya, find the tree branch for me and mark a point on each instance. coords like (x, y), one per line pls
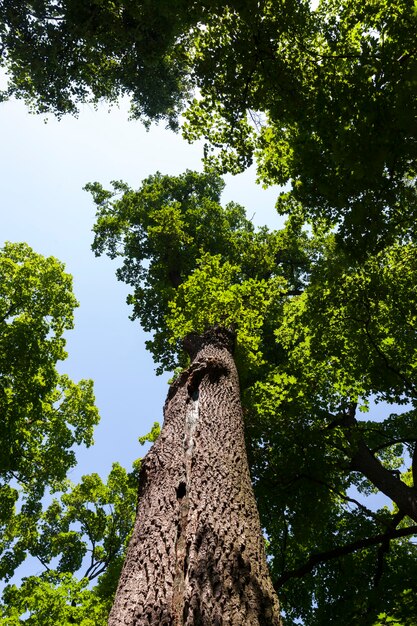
(384, 549)
(362, 460)
(48, 569)
(322, 557)
(392, 442)
(346, 498)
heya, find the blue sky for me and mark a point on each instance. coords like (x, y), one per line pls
(44, 167)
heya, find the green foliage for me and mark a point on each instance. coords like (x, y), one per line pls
(217, 294)
(82, 533)
(78, 537)
(193, 263)
(318, 336)
(404, 612)
(100, 512)
(44, 413)
(354, 327)
(324, 99)
(349, 340)
(152, 436)
(52, 599)
(58, 55)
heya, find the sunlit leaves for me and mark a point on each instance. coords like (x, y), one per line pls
(363, 338)
(92, 519)
(317, 333)
(324, 99)
(51, 599)
(44, 413)
(216, 294)
(193, 263)
(79, 537)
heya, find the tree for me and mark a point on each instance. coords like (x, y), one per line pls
(44, 413)
(324, 99)
(197, 551)
(315, 95)
(351, 343)
(302, 314)
(79, 538)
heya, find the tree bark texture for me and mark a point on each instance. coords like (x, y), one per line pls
(197, 555)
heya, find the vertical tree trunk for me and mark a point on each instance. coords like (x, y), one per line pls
(197, 555)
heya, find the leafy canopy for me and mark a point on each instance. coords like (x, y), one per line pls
(79, 538)
(323, 98)
(44, 413)
(192, 263)
(77, 533)
(319, 337)
(338, 553)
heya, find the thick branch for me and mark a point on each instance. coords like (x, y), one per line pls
(364, 461)
(393, 442)
(404, 496)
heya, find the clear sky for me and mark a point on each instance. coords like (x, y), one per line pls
(44, 167)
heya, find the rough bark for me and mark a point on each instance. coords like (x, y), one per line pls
(197, 555)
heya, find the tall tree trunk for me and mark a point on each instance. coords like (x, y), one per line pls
(197, 555)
